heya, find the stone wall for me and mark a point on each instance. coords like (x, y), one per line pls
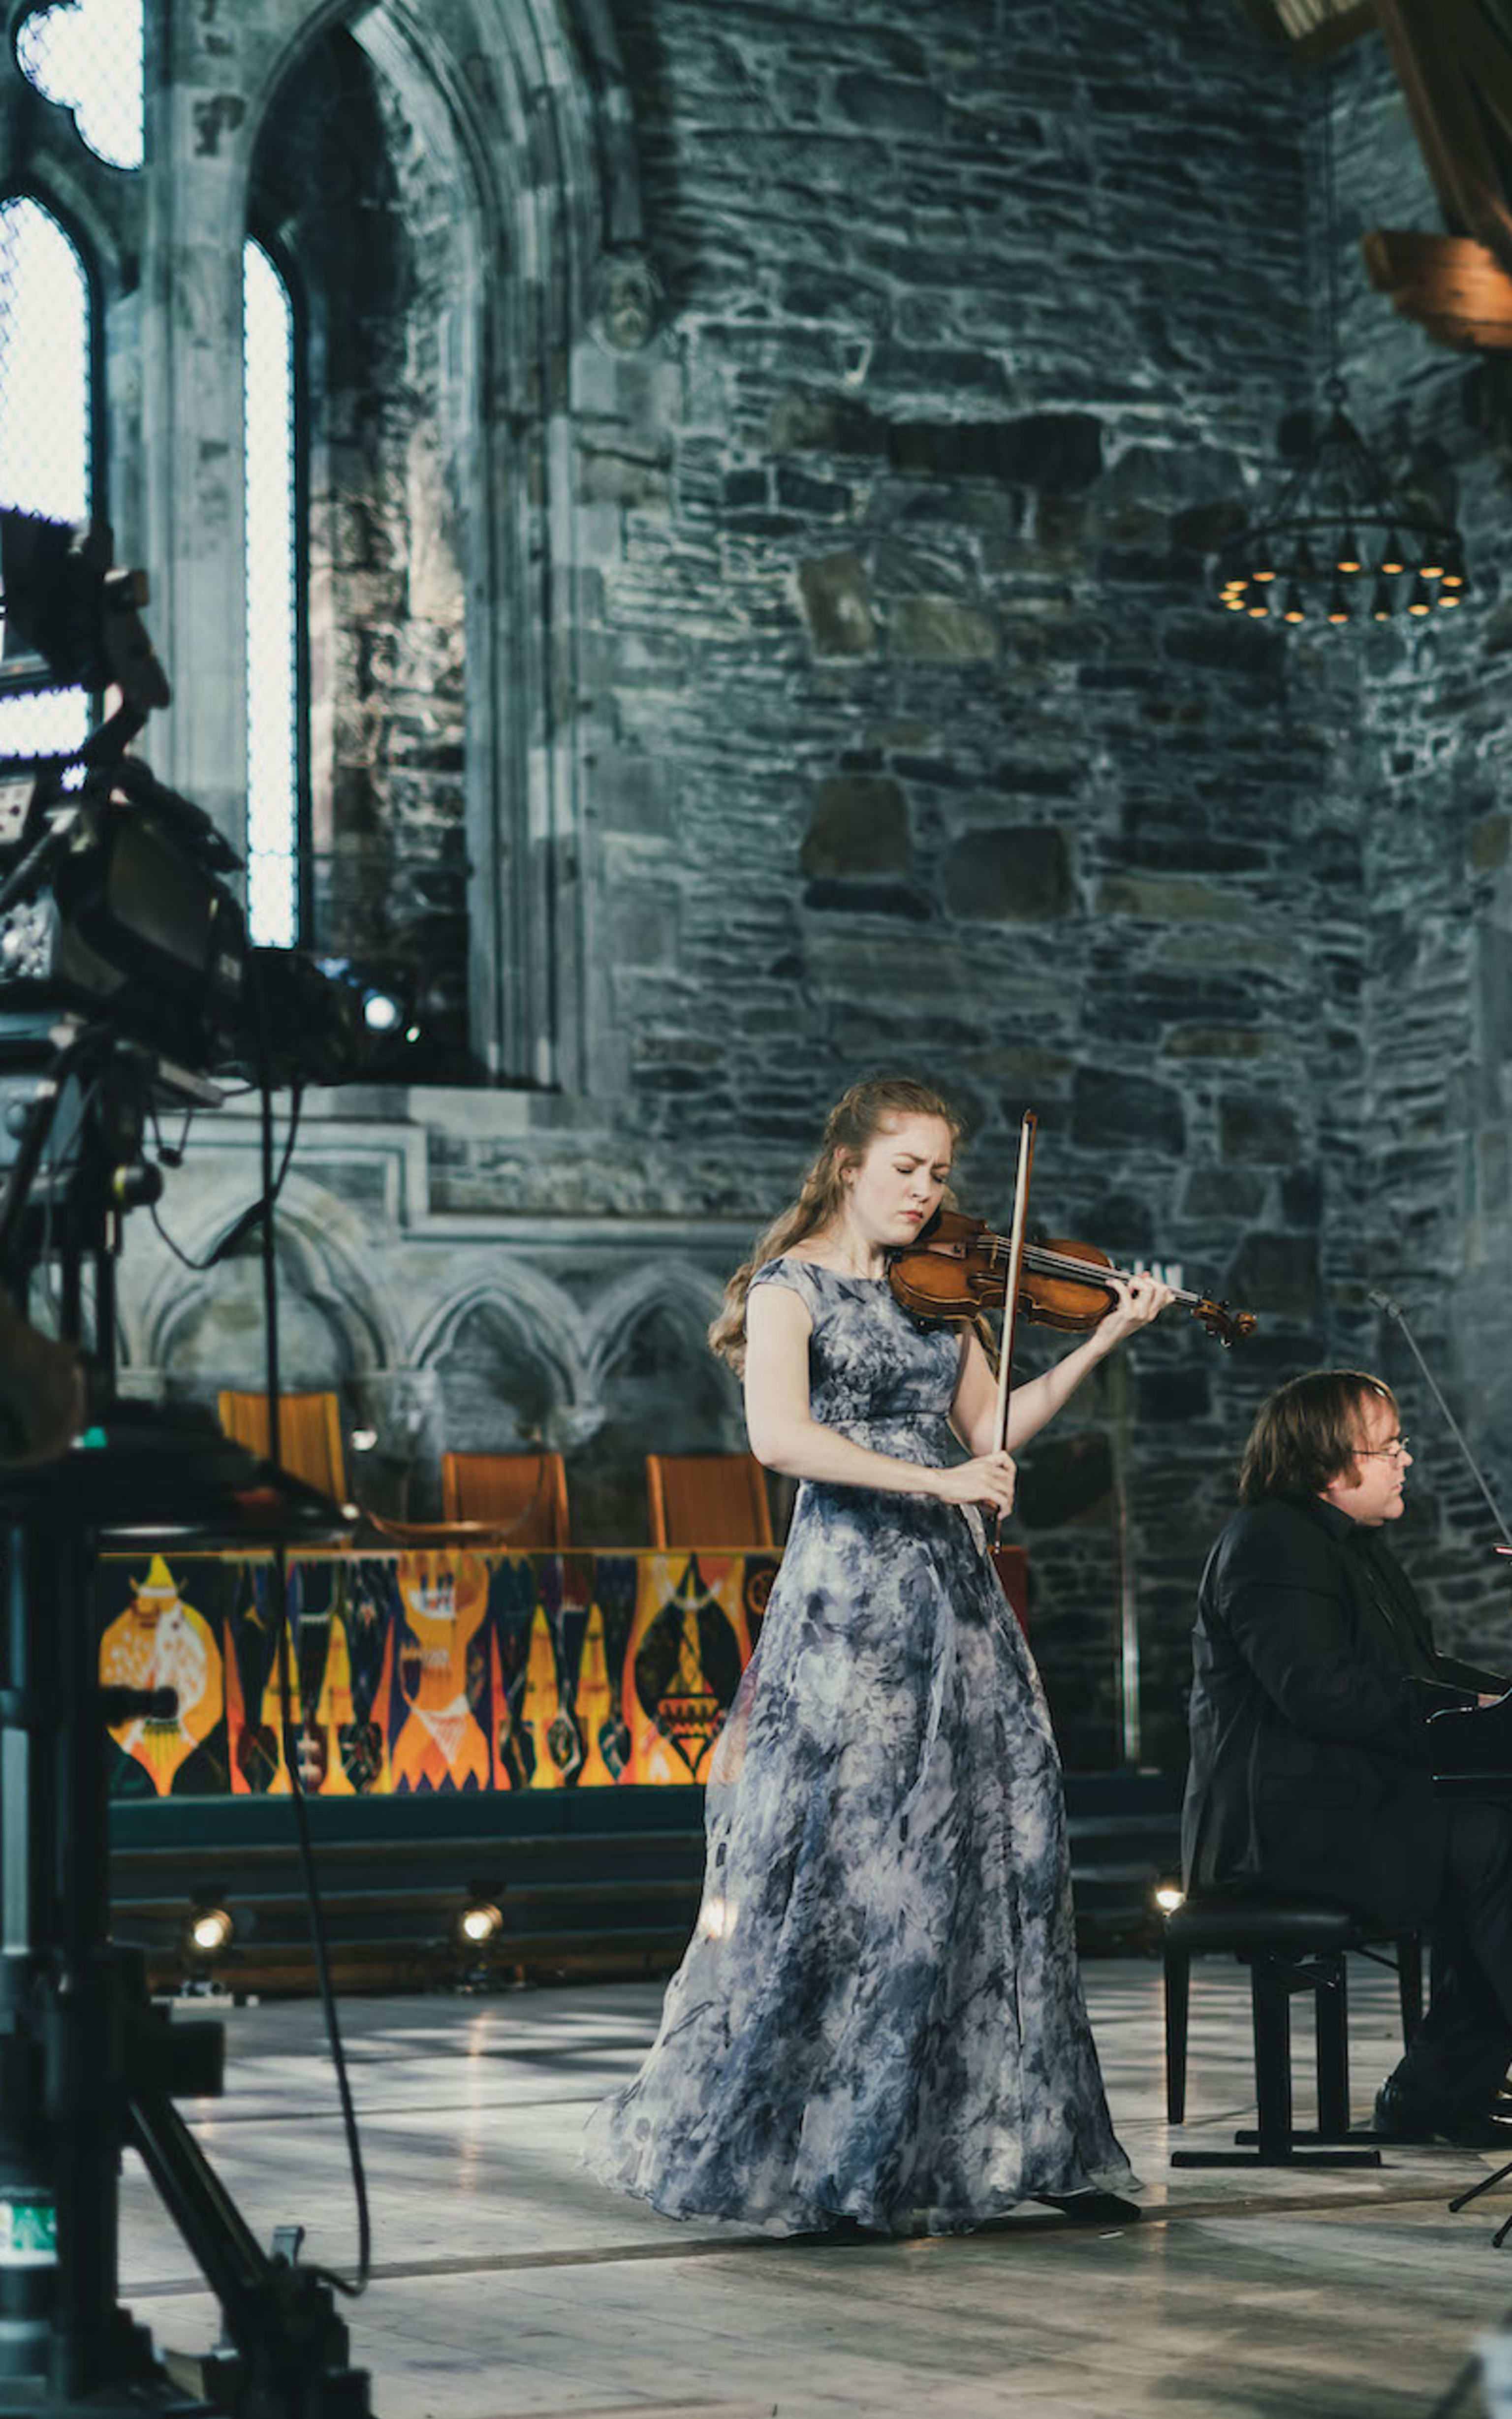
(842, 691)
(1434, 1223)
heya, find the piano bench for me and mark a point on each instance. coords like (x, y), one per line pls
(1290, 1945)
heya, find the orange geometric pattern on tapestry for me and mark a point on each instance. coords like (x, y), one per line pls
(441, 1672)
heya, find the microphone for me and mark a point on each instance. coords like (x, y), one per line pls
(1384, 1302)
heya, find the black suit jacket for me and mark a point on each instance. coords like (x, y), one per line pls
(1313, 1677)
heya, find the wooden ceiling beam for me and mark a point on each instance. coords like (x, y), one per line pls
(1453, 288)
(1451, 135)
(1483, 54)
(1310, 29)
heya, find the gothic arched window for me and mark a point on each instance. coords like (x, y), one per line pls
(47, 452)
(87, 56)
(275, 708)
(359, 183)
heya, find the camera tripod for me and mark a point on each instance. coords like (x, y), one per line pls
(86, 2067)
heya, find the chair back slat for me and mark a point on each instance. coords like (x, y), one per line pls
(309, 1435)
(523, 1494)
(713, 1500)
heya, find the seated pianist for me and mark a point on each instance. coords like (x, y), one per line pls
(1312, 1763)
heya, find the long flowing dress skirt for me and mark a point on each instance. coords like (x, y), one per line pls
(880, 2016)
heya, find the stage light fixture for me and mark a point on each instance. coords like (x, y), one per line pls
(208, 1932)
(381, 1012)
(480, 1922)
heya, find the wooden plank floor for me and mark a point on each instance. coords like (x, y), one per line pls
(508, 2285)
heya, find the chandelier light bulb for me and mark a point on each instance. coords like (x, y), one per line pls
(1340, 519)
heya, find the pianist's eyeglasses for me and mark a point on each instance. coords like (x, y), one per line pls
(1392, 1452)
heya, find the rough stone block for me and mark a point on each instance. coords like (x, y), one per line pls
(1251, 1127)
(1277, 1276)
(1173, 1398)
(824, 499)
(885, 105)
(1049, 450)
(860, 825)
(1010, 876)
(1210, 1041)
(834, 897)
(837, 606)
(1166, 900)
(937, 630)
(1111, 1113)
(643, 926)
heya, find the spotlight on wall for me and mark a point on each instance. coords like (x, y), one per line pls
(1169, 1895)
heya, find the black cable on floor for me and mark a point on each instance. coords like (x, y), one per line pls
(285, 1699)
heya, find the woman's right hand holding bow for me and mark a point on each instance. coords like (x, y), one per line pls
(988, 1479)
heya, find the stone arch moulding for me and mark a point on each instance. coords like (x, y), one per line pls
(329, 1270)
(689, 1296)
(551, 1329)
(43, 154)
(528, 99)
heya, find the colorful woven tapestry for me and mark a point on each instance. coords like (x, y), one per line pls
(417, 1673)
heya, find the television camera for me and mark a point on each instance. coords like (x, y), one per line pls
(127, 981)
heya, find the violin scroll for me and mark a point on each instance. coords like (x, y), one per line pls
(1228, 1326)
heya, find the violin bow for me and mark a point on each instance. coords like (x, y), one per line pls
(1011, 1294)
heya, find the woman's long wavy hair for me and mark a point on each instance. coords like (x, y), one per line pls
(849, 1130)
(1307, 1432)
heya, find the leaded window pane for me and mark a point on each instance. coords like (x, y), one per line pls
(86, 56)
(45, 464)
(272, 657)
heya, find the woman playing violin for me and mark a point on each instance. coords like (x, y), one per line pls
(880, 2020)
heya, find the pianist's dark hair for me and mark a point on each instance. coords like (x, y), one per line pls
(1307, 1433)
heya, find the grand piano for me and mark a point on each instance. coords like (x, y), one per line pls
(1472, 1750)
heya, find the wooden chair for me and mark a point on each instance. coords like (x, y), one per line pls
(522, 1496)
(309, 1435)
(711, 1500)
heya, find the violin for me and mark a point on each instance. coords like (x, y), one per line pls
(959, 1267)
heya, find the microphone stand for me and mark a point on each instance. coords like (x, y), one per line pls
(1394, 1311)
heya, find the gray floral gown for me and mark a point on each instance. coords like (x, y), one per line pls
(880, 2016)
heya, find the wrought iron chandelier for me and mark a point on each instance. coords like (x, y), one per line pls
(1342, 542)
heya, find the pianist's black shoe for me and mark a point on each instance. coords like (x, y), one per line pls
(1404, 2116)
